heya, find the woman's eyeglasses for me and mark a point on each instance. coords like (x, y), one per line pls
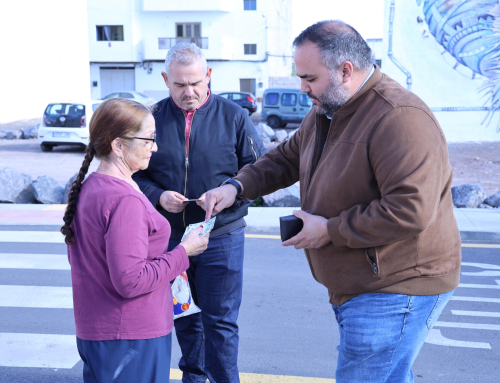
(150, 143)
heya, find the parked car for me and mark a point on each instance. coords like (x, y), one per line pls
(283, 106)
(243, 99)
(66, 123)
(132, 95)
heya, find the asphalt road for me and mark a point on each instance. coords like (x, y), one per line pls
(286, 324)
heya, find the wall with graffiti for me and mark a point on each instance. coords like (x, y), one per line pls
(448, 53)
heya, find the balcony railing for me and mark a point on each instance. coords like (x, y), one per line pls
(169, 42)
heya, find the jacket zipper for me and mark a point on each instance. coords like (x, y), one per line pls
(187, 164)
(312, 159)
(253, 150)
(373, 263)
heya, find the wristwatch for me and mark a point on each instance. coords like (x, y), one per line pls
(235, 184)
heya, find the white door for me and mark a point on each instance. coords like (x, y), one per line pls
(113, 80)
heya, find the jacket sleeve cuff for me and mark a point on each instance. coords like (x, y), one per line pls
(333, 226)
(249, 188)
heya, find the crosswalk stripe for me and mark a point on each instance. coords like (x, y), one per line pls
(475, 299)
(472, 326)
(476, 313)
(31, 236)
(38, 350)
(34, 261)
(36, 297)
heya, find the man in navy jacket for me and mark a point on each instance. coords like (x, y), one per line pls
(203, 141)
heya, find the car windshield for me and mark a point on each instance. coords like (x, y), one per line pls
(70, 110)
(304, 100)
(141, 94)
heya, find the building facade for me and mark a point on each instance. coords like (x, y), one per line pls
(245, 42)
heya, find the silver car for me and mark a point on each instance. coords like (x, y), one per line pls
(132, 95)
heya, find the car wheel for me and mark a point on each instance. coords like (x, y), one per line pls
(283, 125)
(274, 122)
(247, 112)
(46, 148)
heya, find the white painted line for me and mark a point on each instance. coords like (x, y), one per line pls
(38, 350)
(476, 286)
(36, 296)
(436, 338)
(31, 236)
(485, 273)
(487, 266)
(488, 314)
(475, 299)
(473, 326)
(34, 261)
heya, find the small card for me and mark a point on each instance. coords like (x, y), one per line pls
(191, 200)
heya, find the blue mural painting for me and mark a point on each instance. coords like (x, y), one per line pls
(470, 31)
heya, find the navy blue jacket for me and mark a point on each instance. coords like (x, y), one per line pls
(222, 140)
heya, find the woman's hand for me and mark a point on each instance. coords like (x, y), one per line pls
(194, 243)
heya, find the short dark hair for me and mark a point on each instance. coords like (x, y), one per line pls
(338, 42)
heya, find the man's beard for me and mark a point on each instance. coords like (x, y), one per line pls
(333, 99)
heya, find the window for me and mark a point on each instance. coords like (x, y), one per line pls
(188, 30)
(126, 95)
(109, 32)
(236, 96)
(250, 5)
(289, 99)
(225, 95)
(304, 100)
(272, 98)
(250, 49)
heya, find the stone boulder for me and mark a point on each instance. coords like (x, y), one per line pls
(12, 134)
(31, 132)
(280, 135)
(265, 131)
(468, 195)
(67, 188)
(47, 190)
(2, 135)
(493, 200)
(15, 187)
(289, 197)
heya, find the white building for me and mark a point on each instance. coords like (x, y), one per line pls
(245, 42)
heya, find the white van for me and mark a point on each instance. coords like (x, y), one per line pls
(66, 124)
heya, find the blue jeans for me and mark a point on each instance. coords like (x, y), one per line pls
(209, 339)
(126, 361)
(382, 334)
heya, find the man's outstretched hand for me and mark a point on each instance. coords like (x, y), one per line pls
(313, 235)
(216, 200)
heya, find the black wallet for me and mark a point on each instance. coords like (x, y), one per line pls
(290, 226)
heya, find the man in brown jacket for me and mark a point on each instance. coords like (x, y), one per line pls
(374, 173)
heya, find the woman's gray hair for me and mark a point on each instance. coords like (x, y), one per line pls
(186, 54)
(338, 42)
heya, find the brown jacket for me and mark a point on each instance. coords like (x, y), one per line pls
(383, 181)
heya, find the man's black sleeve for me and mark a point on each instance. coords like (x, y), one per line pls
(249, 144)
(149, 187)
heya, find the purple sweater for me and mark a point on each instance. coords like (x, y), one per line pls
(120, 267)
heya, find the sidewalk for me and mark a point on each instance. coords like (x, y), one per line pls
(473, 223)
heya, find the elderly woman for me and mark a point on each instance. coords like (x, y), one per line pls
(117, 248)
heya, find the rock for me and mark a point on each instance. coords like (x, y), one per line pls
(67, 188)
(281, 135)
(289, 197)
(292, 133)
(47, 190)
(266, 140)
(15, 187)
(468, 195)
(265, 131)
(484, 206)
(493, 200)
(31, 132)
(2, 135)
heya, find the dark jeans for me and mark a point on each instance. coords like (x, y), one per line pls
(126, 361)
(209, 339)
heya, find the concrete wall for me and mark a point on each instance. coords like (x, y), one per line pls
(45, 56)
(447, 54)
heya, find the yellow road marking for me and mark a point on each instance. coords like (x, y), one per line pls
(55, 207)
(261, 378)
(262, 236)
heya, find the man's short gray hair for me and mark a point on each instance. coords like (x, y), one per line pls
(338, 42)
(186, 54)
